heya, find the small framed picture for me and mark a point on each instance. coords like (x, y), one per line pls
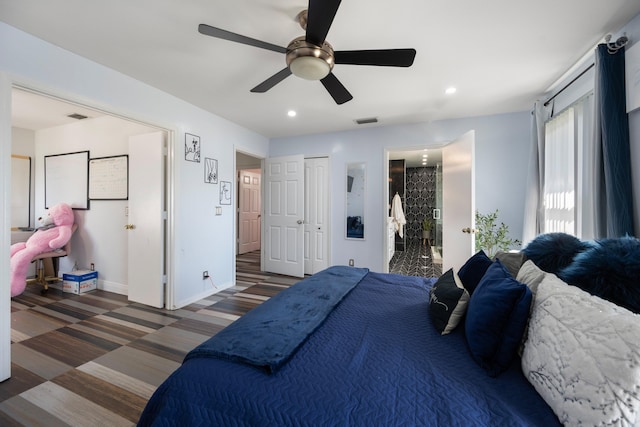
(191, 147)
(225, 193)
(210, 171)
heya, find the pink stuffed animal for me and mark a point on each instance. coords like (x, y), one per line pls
(54, 235)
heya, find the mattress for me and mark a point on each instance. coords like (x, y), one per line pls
(376, 360)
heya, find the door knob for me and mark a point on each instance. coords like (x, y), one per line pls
(129, 227)
(299, 221)
(468, 230)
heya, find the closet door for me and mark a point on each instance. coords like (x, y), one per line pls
(316, 215)
(283, 215)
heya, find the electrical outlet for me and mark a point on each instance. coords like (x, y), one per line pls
(93, 267)
(205, 275)
(351, 263)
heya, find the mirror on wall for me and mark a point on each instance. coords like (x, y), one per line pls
(356, 176)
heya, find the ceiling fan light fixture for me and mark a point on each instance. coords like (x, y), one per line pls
(310, 67)
(308, 61)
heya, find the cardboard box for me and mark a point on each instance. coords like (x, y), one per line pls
(80, 281)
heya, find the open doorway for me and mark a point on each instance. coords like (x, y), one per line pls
(249, 203)
(415, 193)
(44, 125)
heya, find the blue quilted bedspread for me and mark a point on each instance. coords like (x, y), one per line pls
(269, 334)
(376, 360)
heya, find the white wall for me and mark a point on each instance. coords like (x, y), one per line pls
(23, 142)
(632, 29)
(201, 240)
(502, 155)
(100, 238)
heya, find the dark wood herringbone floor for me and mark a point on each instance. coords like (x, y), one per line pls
(95, 359)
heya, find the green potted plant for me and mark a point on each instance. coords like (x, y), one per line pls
(491, 237)
(427, 224)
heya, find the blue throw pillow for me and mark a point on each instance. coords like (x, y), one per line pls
(473, 270)
(610, 270)
(496, 319)
(552, 252)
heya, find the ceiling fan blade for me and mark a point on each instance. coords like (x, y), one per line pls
(272, 81)
(338, 92)
(381, 57)
(208, 30)
(320, 15)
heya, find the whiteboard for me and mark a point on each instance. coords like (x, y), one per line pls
(20, 191)
(109, 178)
(66, 180)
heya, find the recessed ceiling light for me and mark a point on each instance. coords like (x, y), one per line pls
(424, 156)
(450, 90)
(291, 113)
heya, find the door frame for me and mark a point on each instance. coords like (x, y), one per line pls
(385, 186)
(260, 158)
(170, 166)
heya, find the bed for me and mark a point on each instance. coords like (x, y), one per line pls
(376, 359)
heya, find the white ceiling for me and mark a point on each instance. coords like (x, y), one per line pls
(500, 54)
(33, 111)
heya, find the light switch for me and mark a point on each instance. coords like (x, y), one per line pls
(218, 210)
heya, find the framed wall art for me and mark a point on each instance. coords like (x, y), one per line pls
(210, 171)
(225, 193)
(191, 147)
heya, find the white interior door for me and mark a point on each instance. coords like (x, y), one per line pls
(146, 219)
(284, 215)
(249, 212)
(316, 215)
(458, 201)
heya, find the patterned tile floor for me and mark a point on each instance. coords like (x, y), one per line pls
(415, 260)
(95, 359)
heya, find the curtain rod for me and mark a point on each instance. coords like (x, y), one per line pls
(569, 84)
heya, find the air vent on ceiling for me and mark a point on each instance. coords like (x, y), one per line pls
(367, 120)
(77, 116)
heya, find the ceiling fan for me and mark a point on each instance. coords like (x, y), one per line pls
(311, 57)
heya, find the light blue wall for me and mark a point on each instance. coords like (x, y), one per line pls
(502, 155)
(197, 232)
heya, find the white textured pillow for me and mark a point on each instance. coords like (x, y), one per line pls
(531, 275)
(583, 356)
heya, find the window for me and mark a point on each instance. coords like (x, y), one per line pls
(559, 164)
(568, 194)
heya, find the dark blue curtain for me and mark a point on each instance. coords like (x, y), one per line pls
(616, 196)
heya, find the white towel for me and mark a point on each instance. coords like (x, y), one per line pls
(398, 215)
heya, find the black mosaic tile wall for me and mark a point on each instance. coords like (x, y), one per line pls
(420, 199)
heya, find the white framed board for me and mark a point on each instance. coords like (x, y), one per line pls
(66, 180)
(109, 178)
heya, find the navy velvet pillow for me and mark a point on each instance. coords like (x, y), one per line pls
(554, 251)
(496, 319)
(610, 270)
(473, 270)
